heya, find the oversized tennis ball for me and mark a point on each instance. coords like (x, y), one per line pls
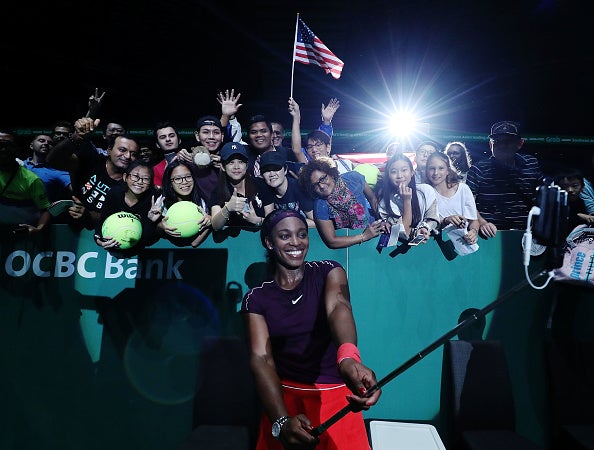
(184, 216)
(124, 227)
(370, 172)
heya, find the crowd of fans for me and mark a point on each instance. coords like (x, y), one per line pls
(236, 179)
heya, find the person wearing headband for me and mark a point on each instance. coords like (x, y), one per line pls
(303, 344)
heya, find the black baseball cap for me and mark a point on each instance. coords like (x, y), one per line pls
(505, 127)
(272, 160)
(208, 120)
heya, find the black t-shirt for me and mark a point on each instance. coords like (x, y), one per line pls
(115, 203)
(91, 182)
(295, 198)
(254, 157)
(235, 218)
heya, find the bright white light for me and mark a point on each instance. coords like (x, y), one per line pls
(402, 124)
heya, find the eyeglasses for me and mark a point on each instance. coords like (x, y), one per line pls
(138, 179)
(316, 145)
(184, 179)
(425, 152)
(322, 180)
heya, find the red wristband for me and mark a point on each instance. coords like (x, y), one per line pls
(347, 350)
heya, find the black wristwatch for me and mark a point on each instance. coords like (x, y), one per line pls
(277, 426)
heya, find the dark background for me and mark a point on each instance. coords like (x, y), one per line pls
(461, 65)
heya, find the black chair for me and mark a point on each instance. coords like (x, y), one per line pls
(477, 403)
(570, 367)
(226, 406)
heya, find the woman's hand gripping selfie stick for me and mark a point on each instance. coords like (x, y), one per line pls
(420, 355)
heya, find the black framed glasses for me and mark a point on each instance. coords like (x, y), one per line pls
(138, 179)
(180, 180)
(316, 145)
(322, 180)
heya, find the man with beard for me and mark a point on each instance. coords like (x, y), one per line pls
(93, 175)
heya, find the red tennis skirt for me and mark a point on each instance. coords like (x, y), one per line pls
(319, 402)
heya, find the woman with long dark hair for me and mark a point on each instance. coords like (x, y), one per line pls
(406, 205)
(235, 201)
(179, 184)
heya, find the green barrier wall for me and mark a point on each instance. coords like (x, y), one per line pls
(99, 353)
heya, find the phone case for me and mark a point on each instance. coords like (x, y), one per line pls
(416, 240)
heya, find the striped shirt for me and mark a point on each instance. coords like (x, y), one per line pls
(503, 194)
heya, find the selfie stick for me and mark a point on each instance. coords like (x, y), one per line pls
(420, 355)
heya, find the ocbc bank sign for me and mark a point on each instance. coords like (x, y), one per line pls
(92, 264)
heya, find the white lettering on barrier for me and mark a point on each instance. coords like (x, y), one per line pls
(81, 265)
(37, 264)
(19, 262)
(173, 269)
(118, 265)
(64, 264)
(9, 264)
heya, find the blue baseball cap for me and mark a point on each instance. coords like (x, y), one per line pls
(233, 149)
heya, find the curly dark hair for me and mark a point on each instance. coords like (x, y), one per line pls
(323, 164)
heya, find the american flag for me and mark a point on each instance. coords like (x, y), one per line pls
(310, 50)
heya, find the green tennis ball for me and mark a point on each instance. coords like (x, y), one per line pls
(184, 216)
(124, 227)
(370, 172)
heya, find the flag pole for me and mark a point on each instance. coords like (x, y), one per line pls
(294, 50)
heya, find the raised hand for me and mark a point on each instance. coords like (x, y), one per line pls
(236, 203)
(294, 108)
(95, 103)
(156, 208)
(85, 126)
(329, 110)
(405, 192)
(229, 102)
